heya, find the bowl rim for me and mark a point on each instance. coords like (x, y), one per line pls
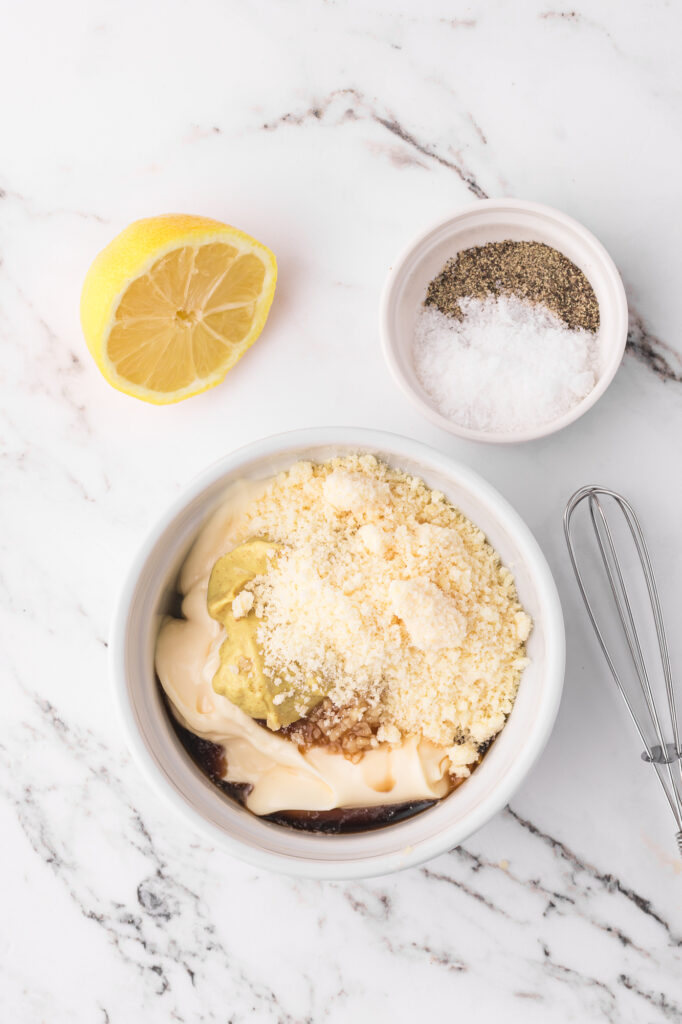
(362, 867)
(398, 269)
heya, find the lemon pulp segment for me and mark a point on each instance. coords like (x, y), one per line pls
(183, 320)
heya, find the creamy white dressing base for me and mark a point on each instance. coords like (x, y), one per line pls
(281, 777)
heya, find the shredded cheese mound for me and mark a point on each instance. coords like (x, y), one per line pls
(394, 599)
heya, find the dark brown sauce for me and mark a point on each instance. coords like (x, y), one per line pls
(344, 820)
(210, 759)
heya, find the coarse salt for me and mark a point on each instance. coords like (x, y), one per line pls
(505, 365)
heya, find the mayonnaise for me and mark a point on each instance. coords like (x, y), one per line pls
(280, 776)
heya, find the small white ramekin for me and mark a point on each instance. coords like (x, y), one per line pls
(149, 592)
(495, 220)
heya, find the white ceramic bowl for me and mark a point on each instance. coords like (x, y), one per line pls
(149, 592)
(494, 220)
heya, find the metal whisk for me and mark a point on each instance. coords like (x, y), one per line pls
(656, 724)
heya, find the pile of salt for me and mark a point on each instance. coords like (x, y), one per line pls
(505, 366)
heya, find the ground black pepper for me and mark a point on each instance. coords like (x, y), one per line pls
(530, 270)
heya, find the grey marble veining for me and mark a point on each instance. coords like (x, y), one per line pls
(334, 132)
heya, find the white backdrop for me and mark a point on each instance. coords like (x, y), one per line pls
(333, 132)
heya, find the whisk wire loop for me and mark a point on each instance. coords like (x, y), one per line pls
(665, 756)
(622, 600)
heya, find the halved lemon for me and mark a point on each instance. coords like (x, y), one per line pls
(171, 304)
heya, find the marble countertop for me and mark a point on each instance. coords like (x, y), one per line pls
(334, 132)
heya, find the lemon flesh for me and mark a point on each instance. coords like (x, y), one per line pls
(171, 304)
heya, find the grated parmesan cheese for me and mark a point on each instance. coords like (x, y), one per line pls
(355, 492)
(242, 604)
(432, 619)
(392, 598)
